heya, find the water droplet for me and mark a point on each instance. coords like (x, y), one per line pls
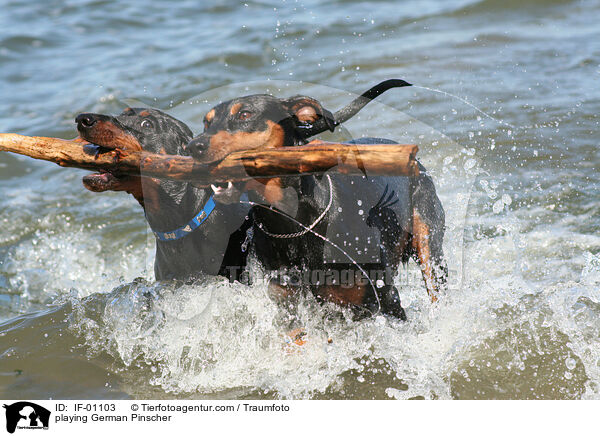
(571, 363)
(498, 206)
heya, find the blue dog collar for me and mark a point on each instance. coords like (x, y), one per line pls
(189, 227)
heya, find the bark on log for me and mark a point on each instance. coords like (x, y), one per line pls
(316, 157)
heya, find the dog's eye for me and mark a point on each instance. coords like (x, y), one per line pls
(146, 124)
(244, 115)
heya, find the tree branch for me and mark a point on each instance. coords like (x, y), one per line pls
(313, 158)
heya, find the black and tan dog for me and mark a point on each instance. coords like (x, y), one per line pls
(329, 233)
(193, 234)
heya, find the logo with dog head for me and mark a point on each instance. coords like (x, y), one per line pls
(26, 415)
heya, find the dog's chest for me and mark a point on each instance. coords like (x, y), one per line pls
(356, 237)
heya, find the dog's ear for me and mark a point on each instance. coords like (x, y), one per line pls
(305, 111)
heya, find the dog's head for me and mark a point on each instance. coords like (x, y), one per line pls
(136, 129)
(256, 122)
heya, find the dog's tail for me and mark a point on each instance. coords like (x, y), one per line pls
(356, 105)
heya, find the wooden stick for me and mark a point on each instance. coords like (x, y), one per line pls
(316, 157)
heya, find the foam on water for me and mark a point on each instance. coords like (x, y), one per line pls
(67, 246)
(49, 265)
(215, 337)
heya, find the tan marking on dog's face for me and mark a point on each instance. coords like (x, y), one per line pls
(273, 191)
(224, 143)
(235, 108)
(270, 190)
(106, 134)
(210, 115)
(133, 186)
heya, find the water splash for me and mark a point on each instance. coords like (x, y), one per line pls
(554, 122)
(439, 91)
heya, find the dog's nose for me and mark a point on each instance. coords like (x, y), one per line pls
(85, 120)
(197, 147)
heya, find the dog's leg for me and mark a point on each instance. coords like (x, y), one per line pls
(426, 257)
(428, 226)
(285, 295)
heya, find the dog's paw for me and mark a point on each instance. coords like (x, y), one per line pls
(294, 341)
(296, 336)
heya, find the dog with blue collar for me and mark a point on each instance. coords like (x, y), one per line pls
(194, 234)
